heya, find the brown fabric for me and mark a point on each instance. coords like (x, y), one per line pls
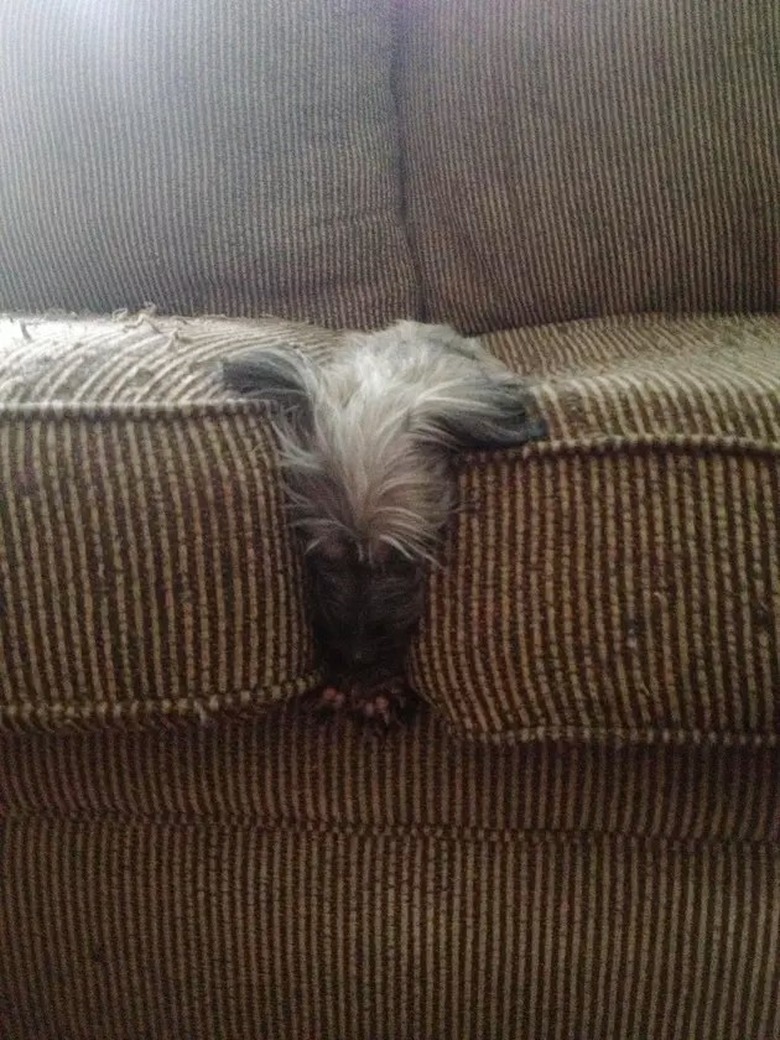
(144, 554)
(139, 359)
(624, 578)
(711, 376)
(619, 582)
(237, 158)
(148, 564)
(350, 163)
(283, 879)
(629, 590)
(568, 159)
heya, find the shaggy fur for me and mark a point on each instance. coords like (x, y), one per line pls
(367, 437)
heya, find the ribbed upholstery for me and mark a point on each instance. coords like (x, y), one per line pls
(237, 158)
(578, 837)
(142, 360)
(145, 560)
(623, 579)
(287, 879)
(149, 566)
(570, 158)
(620, 581)
(627, 589)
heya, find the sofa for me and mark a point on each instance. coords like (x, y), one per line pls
(578, 835)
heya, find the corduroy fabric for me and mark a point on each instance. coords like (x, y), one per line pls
(235, 158)
(145, 556)
(285, 879)
(621, 581)
(627, 589)
(147, 566)
(567, 159)
(133, 359)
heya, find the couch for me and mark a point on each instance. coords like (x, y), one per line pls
(579, 834)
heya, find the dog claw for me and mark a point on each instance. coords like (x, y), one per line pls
(385, 705)
(329, 700)
(382, 705)
(332, 698)
(378, 708)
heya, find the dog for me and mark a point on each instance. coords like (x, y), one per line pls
(367, 437)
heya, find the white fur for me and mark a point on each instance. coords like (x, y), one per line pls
(367, 433)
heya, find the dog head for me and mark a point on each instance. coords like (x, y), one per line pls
(366, 437)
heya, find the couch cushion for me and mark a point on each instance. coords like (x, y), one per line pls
(146, 563)
(568, 159)
(620, 581)
(237, 157)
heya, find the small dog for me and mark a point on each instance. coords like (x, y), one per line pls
(367, 437)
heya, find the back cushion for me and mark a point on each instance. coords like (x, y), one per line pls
(571, 158)
(232, 157)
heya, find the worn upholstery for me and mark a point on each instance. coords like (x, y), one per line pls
(620, 579)
(579, 834)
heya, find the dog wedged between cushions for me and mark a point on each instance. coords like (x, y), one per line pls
(367, 436)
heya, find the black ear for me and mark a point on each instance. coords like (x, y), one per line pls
(278, 374)
(467, 398)
(503, 415)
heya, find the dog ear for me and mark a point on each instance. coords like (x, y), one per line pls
(282, 375)
(490, 413)
(472, 401)
(465, 398)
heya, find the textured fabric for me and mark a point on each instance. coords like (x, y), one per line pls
(139, 359)
(237, 157)
(147, 566)
(559, 159)
(145, 560)
(144, 548)
(285, 879)
(567, 159)
(628, 589)
(620, 581)
(625, 577)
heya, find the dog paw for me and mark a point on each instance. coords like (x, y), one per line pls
(384, 704)
(377, 703)
(328, 700)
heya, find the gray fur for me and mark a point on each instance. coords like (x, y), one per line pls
(367, 438)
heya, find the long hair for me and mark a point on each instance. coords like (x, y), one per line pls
(366, 438)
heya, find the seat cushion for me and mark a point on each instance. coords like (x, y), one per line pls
(232, 158)
(623, 578)
(619, 581)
